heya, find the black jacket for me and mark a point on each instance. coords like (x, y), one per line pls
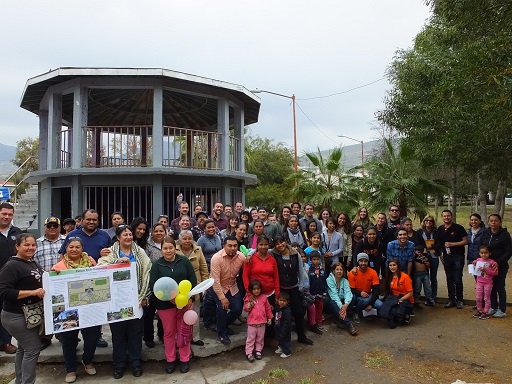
(8, 244)
(500, 245)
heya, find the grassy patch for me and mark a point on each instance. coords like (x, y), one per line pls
(261, 381)
(5, 379)
(278, 373)
(377, 358)
(306, 381)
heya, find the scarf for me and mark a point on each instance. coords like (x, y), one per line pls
(83, 262)
(295, 237)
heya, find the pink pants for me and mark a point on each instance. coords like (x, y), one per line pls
(315, 311)
(483, 297)
(255, 339)
(172, 325)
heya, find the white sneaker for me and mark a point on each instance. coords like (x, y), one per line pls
(499, 313)
(278, 350)
(491, 312)
(283, 355)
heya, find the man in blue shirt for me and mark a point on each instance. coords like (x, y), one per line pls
(403, 250)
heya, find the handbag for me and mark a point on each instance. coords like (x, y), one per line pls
(34, 314)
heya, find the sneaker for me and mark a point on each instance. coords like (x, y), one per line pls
(460, 304)
(278, 350)
(257, 355)
(250, 357)
(483, 316)
(351, 329)
(477, 314)
(499, 314)
(450, 304)
(283, 355)
(315, 329)
(225, 340)
(355, 318)
(492, 311)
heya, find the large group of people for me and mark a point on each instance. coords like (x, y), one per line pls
(279, 268)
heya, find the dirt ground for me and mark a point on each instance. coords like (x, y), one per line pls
(438, 346)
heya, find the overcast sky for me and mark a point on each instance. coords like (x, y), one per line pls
(296, 47)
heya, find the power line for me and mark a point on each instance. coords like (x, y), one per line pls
(347, 91)
(314, 125)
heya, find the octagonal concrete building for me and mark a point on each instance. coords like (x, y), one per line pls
(133, 139)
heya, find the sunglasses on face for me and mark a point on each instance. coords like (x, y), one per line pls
(53, 226)
(393, 210)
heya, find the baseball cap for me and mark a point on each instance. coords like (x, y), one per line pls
(362, 255)
(201, 213)
(68, 220)
(52, 220)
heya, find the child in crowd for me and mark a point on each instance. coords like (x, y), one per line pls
(316, 245)
(485, 269)
(272, 218)
(317, 288)
(283, 325)
(421, 279)
(260, 314)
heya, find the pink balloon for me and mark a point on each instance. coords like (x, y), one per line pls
(190, 317)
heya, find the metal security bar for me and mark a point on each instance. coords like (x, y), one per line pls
(206, 197)
(118, 146)
(131, 201)
(189, 148)
(65, 145)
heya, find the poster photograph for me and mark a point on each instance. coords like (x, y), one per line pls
(80, 298)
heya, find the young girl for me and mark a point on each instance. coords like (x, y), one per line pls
(485, 269)
(316, 245)
(311, 228)
(260, 314)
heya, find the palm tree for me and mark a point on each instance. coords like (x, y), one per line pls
(326, 185)
(396, 177)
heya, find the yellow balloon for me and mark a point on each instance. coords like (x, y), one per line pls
(159, 295)
(181, 300)
(185, 286)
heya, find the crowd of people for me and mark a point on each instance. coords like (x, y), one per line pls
(278, 268)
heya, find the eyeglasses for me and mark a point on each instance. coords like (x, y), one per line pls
(74, 238)
(53, 226)
(393, 210)
(163, 217)
(428, 220)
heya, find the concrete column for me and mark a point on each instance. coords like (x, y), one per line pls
(158, 200)
(80, 112)
(43, 140)
(77, 199)
(54, 125)
(158, 118)
(45, 202)
(223, 131)
(239, 134)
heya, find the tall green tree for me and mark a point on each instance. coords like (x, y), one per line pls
(326, 185)
(272, 163)
(397, 177)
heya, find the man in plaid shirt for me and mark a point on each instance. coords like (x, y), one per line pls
(48, 245)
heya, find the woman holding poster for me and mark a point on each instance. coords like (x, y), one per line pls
(127, 334)
(21, 285)
(75, 257)
(179, 268)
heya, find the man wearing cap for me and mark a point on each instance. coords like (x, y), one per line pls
(8, 234)
(47, 254)
(364, 283)
(68, 225)
(198, 229)
(48, 245)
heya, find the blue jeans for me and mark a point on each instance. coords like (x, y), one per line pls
(434, 266)
(454, 267)
(127, 339)
(361, 303)
(69, 341)
(227, 317)
(421, 280)
(336, 309)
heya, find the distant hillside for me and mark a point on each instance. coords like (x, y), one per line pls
(7, 152)
(351, 154)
